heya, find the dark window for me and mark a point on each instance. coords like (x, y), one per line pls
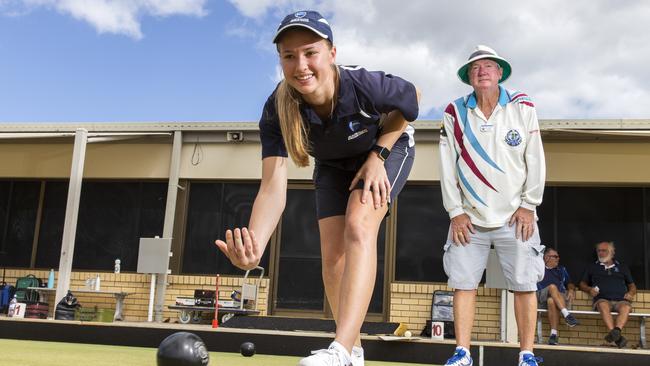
(376, 302)
(572, 219)
(112, 218)
(546, 218)
(586, 216)
(18, 207)
(646, 237)
(214, 208)
(422, 225)
(5, 209)
(52, 219)
(300, 283)
(153, 202)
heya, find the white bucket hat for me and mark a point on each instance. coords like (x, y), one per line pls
(481, 52)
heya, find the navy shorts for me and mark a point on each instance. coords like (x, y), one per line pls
(332, 184)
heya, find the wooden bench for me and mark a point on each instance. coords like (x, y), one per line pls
(641, 317)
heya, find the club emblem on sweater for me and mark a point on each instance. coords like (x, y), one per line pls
(513, 138)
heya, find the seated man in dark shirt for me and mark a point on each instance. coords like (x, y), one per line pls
(554, 292)
(611, 285)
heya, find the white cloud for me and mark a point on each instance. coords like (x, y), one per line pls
(112, 16)
(278, 8)
(577, 59)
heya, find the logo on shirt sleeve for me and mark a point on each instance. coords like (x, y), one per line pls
(513, 138)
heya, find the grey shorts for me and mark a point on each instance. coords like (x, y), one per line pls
(332, 184)
(613, 304)
(522, 262)
(543, 296)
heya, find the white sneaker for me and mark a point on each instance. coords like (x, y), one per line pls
(529, 359)
(335, 355)
(460, 358)
(357, 356)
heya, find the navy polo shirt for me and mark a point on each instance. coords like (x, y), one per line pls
(558, 276)
(612, 283)
(345, 140)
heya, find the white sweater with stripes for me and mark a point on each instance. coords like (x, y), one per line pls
(491, 167)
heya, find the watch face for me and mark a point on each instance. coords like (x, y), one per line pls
(381, 151)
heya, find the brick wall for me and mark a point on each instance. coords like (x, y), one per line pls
(411, 304)
(136, 305)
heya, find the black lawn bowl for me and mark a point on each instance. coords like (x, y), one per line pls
(247, 349)
(182, 349)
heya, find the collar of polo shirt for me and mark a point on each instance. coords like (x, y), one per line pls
(346, 105)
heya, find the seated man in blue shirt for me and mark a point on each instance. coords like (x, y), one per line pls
(612, 287)
(554, 292)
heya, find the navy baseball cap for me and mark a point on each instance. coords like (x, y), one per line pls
(308, 19)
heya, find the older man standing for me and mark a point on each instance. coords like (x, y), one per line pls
(492, 179)
(610, 284)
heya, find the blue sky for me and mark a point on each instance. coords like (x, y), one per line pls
(212, 60)
(56, 68)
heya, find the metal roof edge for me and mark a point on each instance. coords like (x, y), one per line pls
(128, 126)
(545, 125)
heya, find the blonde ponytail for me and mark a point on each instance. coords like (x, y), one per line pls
(294, 131)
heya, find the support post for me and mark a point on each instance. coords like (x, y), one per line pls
(71, 214)
(168, 227)
(152, 291)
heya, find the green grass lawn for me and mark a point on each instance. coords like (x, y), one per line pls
(35, 353)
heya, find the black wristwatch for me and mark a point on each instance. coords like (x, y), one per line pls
(381, 151)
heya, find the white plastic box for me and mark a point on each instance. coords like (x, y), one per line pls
(187, 301)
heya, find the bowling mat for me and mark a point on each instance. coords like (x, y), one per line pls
(303, 324)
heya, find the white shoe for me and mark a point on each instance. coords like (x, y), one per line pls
(460, 358)
(529, 359)
(335, 355)
(357, 356)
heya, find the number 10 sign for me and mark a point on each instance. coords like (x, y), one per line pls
(437, 330)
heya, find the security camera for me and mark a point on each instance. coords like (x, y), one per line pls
(236, 136)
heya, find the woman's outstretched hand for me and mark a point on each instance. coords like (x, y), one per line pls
(241, 248)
